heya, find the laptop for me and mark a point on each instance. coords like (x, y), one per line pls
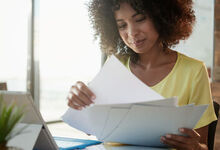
(36, 134)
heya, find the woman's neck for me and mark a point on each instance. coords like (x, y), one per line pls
(151, 59)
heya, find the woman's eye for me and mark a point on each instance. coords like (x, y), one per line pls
(141, 19)
(122, 26)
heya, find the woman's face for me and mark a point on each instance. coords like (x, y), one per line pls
(136, 30)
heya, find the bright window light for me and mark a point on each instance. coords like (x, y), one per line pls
(67, 52)
(14, 43)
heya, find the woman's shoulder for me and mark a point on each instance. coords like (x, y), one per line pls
(189, 62)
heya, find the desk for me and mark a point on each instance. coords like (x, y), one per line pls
(63, 130)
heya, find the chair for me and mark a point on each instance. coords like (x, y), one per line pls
(3, 86)
(212, 128)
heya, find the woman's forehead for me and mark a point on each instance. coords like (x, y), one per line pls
(125, 10)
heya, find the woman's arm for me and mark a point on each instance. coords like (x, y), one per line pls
(195, 139)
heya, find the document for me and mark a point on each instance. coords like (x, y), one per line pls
(128, 111)
(115, 84)
(144, 125)
(106, 147)
(91, 120)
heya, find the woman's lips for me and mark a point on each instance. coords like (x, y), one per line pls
(139, 43)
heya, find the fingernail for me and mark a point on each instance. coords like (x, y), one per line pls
(168, 136)
(93, 97)
(91, 105)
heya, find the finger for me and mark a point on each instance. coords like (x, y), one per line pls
(75, 100)
(79, 94)
(190, 132)
(172, 143)
(81, 86)
(70, 104)
(179, 138)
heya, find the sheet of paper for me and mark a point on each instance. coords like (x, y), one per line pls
(78, 119)
(136, 148)
(96, 147)
(170, 102)
(106, 147)
(197, 112)
(93, 119)
(115, 84)
(26, 140)
(115, 116)
(144, 125)
(90, 120)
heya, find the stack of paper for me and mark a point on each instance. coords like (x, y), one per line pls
(128, 111)
(104, 147)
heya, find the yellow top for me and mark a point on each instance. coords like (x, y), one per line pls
(188, 80)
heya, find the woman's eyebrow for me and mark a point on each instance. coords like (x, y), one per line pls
(118, 20)
(135, 15)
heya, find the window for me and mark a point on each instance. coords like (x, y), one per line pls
(14, 43)
(67, 52)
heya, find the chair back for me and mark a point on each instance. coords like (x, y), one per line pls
(212, 128)
(3, 86)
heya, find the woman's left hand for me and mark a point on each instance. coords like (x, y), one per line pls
(189, 142)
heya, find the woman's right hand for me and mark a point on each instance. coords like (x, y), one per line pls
(80, 96)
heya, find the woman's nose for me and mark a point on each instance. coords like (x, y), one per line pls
(132, 31)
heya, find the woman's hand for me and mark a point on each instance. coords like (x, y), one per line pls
(80, 96)
(189, 142)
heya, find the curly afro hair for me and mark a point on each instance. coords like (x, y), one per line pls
(173, 20)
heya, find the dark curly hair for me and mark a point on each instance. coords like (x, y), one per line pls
(173, 20)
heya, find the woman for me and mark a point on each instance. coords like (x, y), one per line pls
(141, 33)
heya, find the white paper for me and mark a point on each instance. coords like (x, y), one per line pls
(115, 116)
(169, 102)
(165, 102)
(144, 125)
(115, 84)
(136, 148)
(137, 124)
(197, 112)
(96, 147)
(102, 147)
(91, 120)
